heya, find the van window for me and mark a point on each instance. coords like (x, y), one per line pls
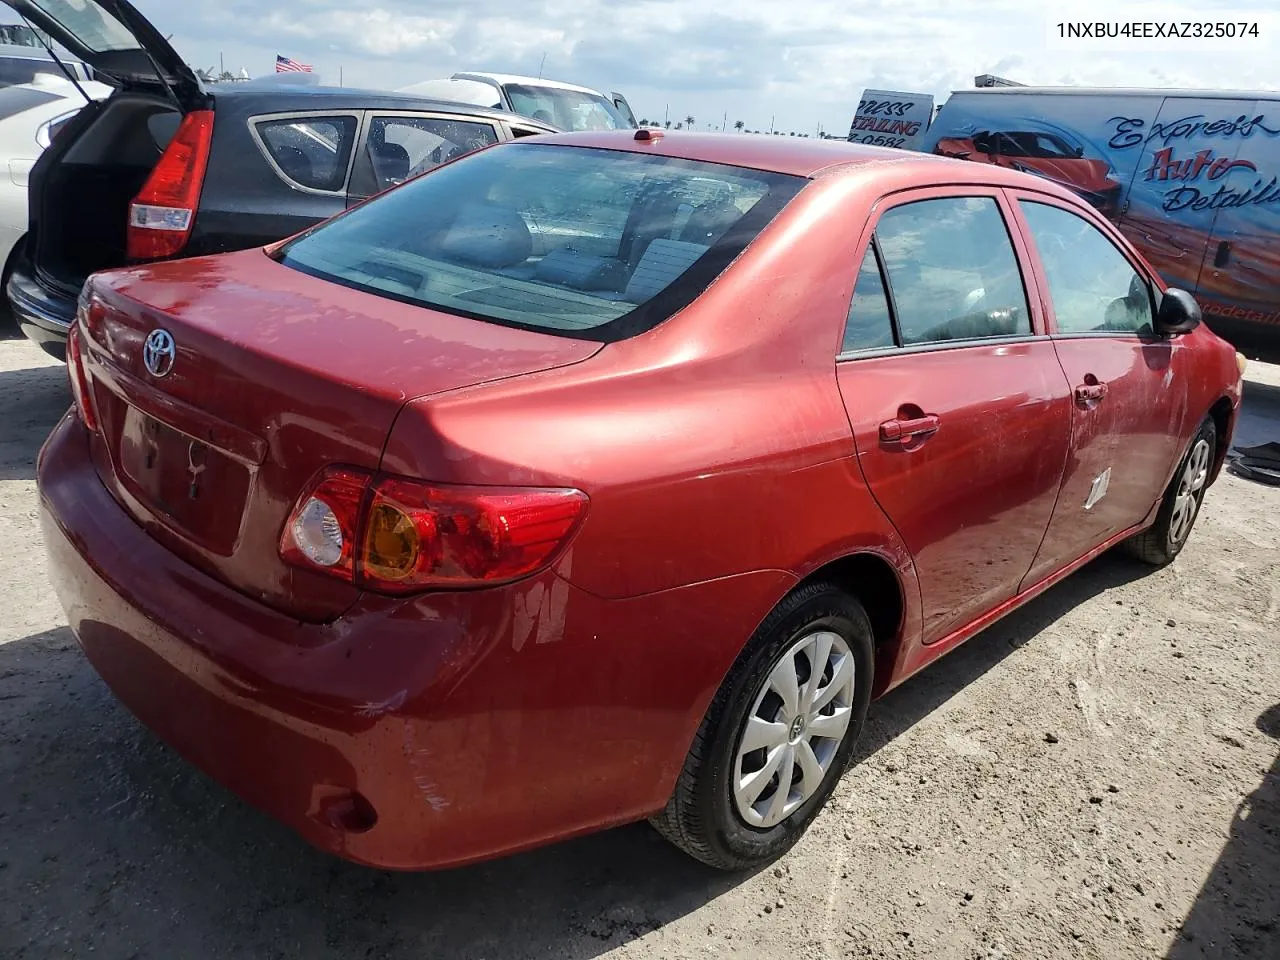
(1092, 285)
(312, 152)
(952, 270)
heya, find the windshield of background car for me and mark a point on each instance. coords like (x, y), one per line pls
(566, 109)
(588, 243)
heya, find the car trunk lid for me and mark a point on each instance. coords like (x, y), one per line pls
(118, 42)
(261, 376)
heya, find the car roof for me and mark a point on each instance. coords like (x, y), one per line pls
(505, 78)
(282, 97)
(803, 157)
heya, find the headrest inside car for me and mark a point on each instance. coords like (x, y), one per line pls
(488, 235)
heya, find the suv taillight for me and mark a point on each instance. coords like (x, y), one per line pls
(400, 536)
(79, 377)
(161, 216)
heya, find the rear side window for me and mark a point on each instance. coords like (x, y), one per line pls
(16, 70)
(870, 325)
(595, 244)
(952, 270)
(1093, 286)
(310, 152)
(403, 147)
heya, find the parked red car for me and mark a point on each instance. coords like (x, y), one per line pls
(603, 477)
(1044, 154)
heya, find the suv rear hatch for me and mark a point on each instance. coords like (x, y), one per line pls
(82, 187)
(275, 375)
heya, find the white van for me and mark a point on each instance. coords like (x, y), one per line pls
(1191, 177)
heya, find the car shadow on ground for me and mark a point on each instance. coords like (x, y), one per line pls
(32, 400)
(1237, 913)
(109, 825)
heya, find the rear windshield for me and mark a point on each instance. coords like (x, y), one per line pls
(593, 244)
(566, 109)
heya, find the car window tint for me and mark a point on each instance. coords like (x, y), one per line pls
(585, 242)
(566, 109)
(93, 26)
(869, 325)
(312, 151)
(953, 271)
(403, 147)
(1092, 286)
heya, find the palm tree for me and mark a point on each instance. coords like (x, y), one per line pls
(644, 123)
(688, 121)
(738, 125)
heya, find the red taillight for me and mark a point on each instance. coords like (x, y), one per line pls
(79, 377)
(160, 217)
(414, 536)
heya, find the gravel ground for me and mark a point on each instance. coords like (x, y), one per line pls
(1095, 777)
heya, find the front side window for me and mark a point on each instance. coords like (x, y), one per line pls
(311, 152)
(403, 147)
(952, 270)
(1093, 287)
(595, 244)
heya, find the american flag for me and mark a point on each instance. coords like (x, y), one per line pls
(285, 65)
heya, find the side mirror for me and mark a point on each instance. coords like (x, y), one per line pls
(1179, 313)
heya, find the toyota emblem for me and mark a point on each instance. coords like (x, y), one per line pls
(159, 353)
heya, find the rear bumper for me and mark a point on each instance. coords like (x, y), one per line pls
(43, 315)
(409, 734)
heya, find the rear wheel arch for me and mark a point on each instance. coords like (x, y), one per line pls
(874, 582)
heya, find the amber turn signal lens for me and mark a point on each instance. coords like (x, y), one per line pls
(392, 543)
(1241, 362)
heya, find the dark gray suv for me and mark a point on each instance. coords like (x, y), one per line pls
(168, 167)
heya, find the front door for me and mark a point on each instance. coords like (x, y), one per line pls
(1240, 278)
(959, 409)
(1187, 156)
(1128, 402)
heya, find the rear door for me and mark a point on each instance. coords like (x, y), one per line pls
(959, 408)
(398, 145)
(299, 176)
(119, 43)
(1128, 394)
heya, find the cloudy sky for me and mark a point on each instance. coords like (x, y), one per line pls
(804, 62)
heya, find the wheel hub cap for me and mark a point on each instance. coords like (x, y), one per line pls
(794, 729)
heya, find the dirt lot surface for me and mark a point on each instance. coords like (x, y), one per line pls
(1095, 777)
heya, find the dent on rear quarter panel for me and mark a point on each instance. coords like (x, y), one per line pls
(715, 444)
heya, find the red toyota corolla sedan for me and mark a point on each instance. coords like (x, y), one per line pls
(606, 477)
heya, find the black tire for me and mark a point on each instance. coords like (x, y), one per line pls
(701, 817)
(1160, 543)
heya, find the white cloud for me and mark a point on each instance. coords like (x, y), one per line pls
(803, 61)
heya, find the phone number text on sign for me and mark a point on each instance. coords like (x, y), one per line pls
(888, 119)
